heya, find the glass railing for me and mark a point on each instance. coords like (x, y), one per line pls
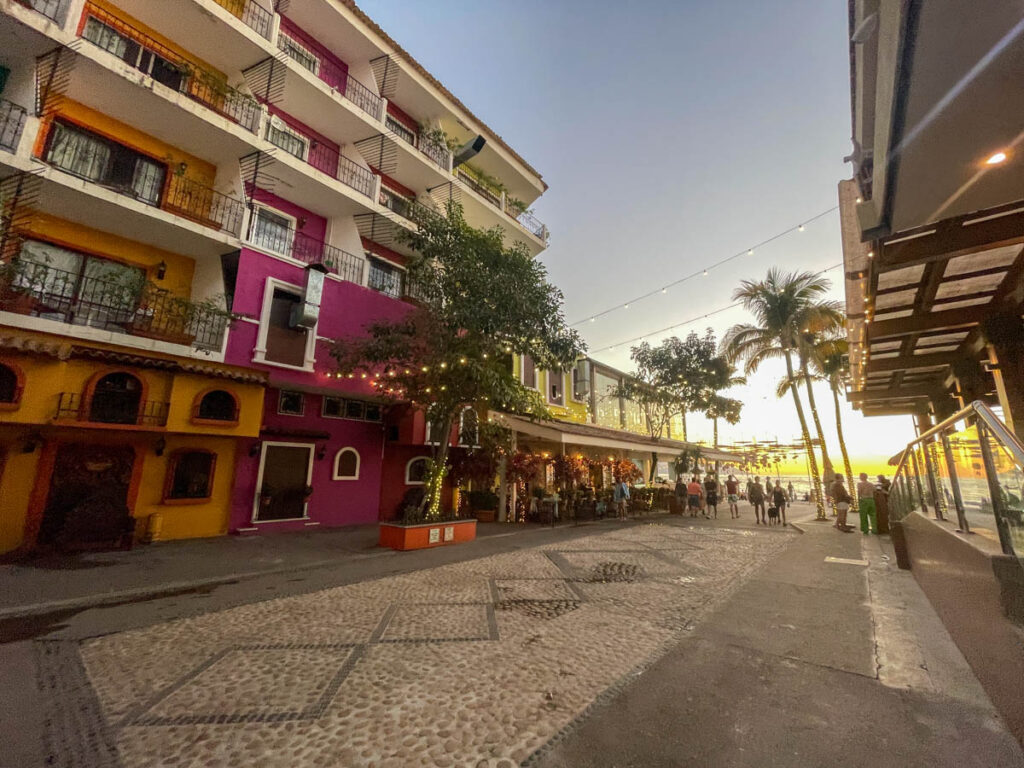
(968, 469)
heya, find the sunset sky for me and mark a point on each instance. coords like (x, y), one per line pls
(672, 137)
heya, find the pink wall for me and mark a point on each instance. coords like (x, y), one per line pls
(315, 227)
(323, 153)
(333, 70)
(334, 502)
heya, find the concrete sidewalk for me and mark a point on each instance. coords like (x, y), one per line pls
(812, 662)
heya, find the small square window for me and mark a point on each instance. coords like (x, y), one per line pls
(333, 407)
(354, 409)
(373, 412)
(291, 403)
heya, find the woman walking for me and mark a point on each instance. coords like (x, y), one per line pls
(779, 500)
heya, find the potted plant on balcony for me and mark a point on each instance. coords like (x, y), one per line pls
(20, 284)
(451, 348)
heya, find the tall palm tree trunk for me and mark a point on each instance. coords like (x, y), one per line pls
(842, 444)
(826, 462)
(685, 439)
(806, 435)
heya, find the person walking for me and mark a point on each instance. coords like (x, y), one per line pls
(732, 490)
(790, 492)
(842, 499)
(866, 498)
(621, 498)
(779, 500)
(694, 495)
(755, 492)
(711, 493)
(680, 493)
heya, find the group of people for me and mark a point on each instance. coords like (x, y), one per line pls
(865, 502)
(700, 497)
(758, 494)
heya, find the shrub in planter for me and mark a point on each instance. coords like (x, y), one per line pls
(484, 505)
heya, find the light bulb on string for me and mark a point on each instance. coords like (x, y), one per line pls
(800, 228)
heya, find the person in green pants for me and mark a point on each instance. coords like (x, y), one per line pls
(866, 499)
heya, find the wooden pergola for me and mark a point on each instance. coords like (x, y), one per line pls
(933, 220)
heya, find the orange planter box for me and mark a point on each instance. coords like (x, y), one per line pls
(425, 535)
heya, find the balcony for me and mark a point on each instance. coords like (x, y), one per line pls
(119, 169)
(54, 10)
(12, 122)
(480, 205)
(252, 14)
(491, 194)
(116, 36)
(130, 306)
(321, 156)
(112, 409)
(301, 247)
(329, 72)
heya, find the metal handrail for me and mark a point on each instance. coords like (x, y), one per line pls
(250, 13)
(988, 424)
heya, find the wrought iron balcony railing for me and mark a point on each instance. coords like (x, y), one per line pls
(308, 250)
(529, 221)
(321, 156)
(252, 14)
(192, 200)
(55, 10)
(112, 408)
(132, 307)
(116, 36)
(490, 195)
(441, 156)
(335, 76)
(12, 122)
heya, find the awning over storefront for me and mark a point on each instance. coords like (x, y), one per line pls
(590, 435)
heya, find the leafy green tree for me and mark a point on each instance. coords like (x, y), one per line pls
(478, 303)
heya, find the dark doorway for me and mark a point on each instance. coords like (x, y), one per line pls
(87, 506)
(116, 399)
(285, 477)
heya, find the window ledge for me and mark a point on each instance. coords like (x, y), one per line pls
(10, 406)
(213, 422)
(185, 502)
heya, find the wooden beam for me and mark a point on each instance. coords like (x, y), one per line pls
(952, 238)
(948, 319)
(895, 393)
(912, 362)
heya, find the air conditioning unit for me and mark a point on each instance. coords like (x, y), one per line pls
(581, 379)
(307, 312)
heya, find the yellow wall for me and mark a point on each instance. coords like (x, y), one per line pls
(178, 277)
(196, 170)
(572, 410)
(19, 472)
(186, 521)
(46, 377)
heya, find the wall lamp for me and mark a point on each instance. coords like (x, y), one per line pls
(321, 452)
(31, 442)
(159, 447)
(254, 450)
(161, 270)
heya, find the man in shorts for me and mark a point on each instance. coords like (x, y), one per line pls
(694, 495)
(732, 490)
(755, 492)
(842, 498)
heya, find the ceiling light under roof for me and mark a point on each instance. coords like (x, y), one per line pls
(996, 159)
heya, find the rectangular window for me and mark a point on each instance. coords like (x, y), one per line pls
(374, 412)
(91, 157)
(291, 403)
(556, 388)
(282, 135)
(132, 53)
(386, 278)
(191, 475)
(272, 231)
(529, 372)
(285, 344)
(333, 408)
(299, 53)
(356, 410)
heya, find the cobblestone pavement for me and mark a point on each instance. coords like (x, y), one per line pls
(482, 663)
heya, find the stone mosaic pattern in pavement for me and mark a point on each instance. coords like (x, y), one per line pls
(480, 663)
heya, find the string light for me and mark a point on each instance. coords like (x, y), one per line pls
(696, 318)
(749, 252)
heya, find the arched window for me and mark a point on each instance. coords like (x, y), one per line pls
(416, 471)
(469, 427)
(190, 475)
(346, 464)
(116, 399)
(217, 405)
(10, 385)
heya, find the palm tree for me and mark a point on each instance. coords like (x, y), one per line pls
(782, 305)
(832, 365)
